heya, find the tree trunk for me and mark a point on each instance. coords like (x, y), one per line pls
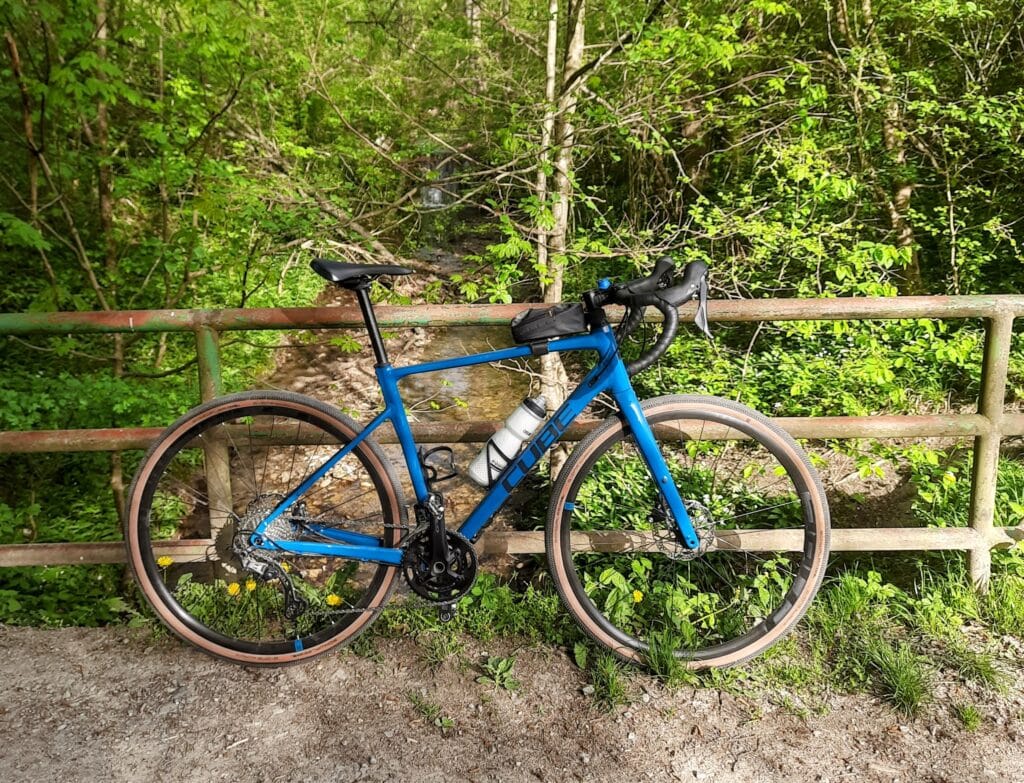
(898, 193)
(473, 12)
(547, 130)
(554, 381)
(105, 188)
(33, 153)
(895, 144)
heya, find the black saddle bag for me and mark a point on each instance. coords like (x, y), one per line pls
(546, 323)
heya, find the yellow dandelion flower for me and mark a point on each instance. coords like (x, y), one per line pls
(333, 600)
(250, 584)
(234, 589)
(164, 561)
(637, 596)
(285, 567)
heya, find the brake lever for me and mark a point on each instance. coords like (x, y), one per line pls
(701, 317)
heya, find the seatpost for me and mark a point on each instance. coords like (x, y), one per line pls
(362, 293)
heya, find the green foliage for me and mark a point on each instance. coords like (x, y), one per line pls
(498, 672)
(838, 368)
(1003, 605)
(608, 679)
(492, 609)
(441, 645)
(64, 596)
(975, 667)
(662, 661)
(968, 715)
(430, 712)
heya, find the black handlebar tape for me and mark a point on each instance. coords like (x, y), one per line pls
(634, 316)
(668, 332)
(689, 285)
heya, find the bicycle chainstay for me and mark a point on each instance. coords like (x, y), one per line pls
(267, 565)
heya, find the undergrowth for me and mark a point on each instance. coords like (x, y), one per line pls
(865, 633)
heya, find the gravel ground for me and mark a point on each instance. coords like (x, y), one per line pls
(115, 704)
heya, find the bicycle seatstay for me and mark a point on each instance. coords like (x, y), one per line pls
(608, 375)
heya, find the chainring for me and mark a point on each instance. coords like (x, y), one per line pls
(452, 583)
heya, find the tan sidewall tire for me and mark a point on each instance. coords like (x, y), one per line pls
(375, 461)
(770, 435)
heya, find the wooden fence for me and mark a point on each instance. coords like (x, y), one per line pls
(988, 426)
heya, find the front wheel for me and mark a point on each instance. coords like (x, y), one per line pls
(756, 503)
(205, 485)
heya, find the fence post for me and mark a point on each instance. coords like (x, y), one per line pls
(998, 338)
(215, 453)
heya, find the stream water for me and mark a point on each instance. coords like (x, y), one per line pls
(484, 392)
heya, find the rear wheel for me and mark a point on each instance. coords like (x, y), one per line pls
(756, 502)
(210, 479)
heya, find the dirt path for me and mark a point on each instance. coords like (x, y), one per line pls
(113, 704)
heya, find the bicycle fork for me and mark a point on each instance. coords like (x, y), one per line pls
(629, 404)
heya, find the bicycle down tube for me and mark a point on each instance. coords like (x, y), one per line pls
(608, 375)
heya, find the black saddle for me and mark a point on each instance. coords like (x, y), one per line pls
(354, 276)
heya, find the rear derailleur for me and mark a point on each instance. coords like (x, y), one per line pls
(262, 563)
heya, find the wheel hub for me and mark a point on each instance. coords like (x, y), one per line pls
(673, 545)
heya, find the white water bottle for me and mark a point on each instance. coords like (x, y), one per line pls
(505, 444)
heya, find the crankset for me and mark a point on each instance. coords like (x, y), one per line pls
(438, 564)
(442, 583)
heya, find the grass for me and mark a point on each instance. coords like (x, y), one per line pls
(430, 712)
(440, 646)
(609, 680)
(662, 662)
(968, 715)
(1003, 606)
(903, 677)
(866, 634)
(975, 666)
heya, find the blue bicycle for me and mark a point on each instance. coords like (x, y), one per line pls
(267, 527)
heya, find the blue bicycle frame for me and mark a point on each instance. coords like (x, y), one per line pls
(608, 375)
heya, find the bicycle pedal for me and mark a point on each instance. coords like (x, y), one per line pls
(446, 612)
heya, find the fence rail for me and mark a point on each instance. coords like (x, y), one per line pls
(988, 426)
